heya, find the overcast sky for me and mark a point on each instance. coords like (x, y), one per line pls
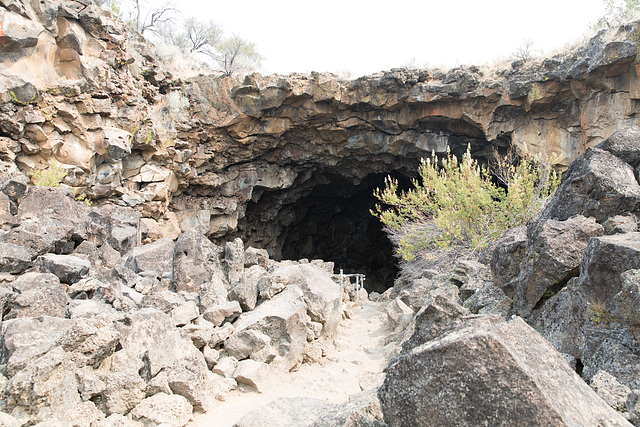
(363, 37)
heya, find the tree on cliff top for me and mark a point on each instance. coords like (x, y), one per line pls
(617, 12)
(234, 55)
(230, 55)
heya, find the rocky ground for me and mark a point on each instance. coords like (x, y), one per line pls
(353, 361)
(96, 327)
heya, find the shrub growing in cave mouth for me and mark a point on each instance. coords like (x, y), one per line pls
(457, 203)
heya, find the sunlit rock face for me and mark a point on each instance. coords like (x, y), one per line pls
(286, 162)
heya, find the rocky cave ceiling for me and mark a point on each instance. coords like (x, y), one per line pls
(324, 213)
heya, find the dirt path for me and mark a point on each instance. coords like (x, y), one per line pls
(354, 361)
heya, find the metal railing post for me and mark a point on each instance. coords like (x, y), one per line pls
(341, 284)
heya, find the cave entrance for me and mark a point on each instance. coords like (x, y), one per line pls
(329, 220)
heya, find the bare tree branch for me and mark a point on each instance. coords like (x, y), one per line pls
(153, 18)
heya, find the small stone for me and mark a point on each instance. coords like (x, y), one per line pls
(211, 356)
(219, 313)
(185, 313)
(225, 366)
(220, 334)
(161, 408)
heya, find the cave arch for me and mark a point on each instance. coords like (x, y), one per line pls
(324, 212)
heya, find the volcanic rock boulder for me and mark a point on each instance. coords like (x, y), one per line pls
(68, 268)
(14, 259)
(321, 294)
(39, 294)
(162, 408)
(283, 320)
(24, 339)
(489, 371)
(553, 253)
(197, 267)
(183, 369)
(589, 319)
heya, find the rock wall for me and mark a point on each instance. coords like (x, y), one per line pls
(234, 156)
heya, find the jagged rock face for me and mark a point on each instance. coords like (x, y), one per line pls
(256, 157)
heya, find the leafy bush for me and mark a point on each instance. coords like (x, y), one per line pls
(456, 203)
(49, 177)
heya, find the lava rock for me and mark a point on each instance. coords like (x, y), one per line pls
(283, 319)
(14, 259)
(597, 184)
(68, 268)
(489, 371)
(40, 294)
(162, 408)
(552, 256)
(321, 294)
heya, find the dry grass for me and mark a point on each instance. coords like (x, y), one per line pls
(599, 313)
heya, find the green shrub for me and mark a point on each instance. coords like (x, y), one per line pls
(49, 177)
(455, 203)
(599, 313)
(82, 198)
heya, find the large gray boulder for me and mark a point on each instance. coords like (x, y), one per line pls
(46, 389)
(155, 258)
(590, 318)
(438, 316)
(24, 339)
(172, 410)
(321, 294)
(89, 341)
(490, 372)
(149, 335)
(39, 294)
(552, 256)
(624, 144)
(68, 268)
(598, 184)
(14, 259)
(197, 267)
(283, 319)
(117, 226)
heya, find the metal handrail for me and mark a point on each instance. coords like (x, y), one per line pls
(359, 283)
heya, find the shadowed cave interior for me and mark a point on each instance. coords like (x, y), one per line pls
(330, 221)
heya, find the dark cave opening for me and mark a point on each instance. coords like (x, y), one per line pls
(330, 221)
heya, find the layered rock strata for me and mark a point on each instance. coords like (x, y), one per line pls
(266, 157)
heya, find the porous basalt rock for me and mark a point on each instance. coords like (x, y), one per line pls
(256, 145)
(481, 371)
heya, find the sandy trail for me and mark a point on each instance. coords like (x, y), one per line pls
(355, 359)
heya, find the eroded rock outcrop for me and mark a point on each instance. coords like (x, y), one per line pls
(275, 155)
(489, 371)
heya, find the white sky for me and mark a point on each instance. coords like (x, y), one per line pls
(363, 37)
